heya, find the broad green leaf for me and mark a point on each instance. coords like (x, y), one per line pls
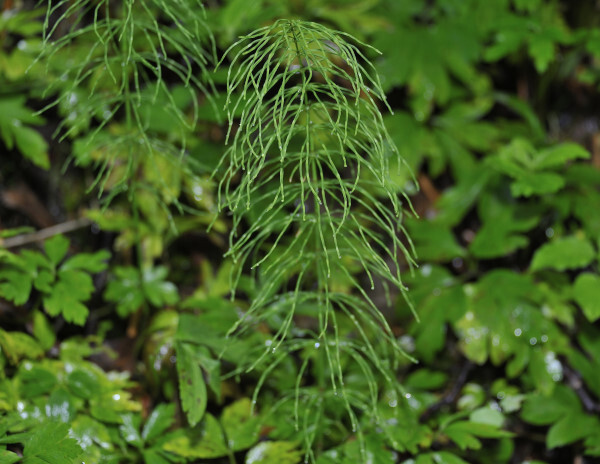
(545, 370)
(43, 331)
(543, 410)
(13, 115)
(56, 248)
(154, 456)
(125, 290)
(8, 396)
(78, 282)
(61, 302)
(32, 261)
(130, 289)
(464, 433)
(461, 433)
(32, 145)
(527, 5)
(203, 441)
(434, 241)
(60, 406)
(521, 161)
(44, 280)
(83, 382)
(192, 388)
(8, 457)
(88, 431)
(50, 444)
(211, 368)
(35, 380)
(274, 452)
(110, 405)
(537, 183)
(586, 293)
(563, 253)
(541, 49)
(440, 302)
(19, 345)
(511, 403)
(592, 442)
(6, 233)
(587, 363)
(240, 426)
(487, 415)
(129, 429)
(375, 450)
(426, 379)
(161, 418)
(210, 327)
(473, 337)
(588, 369)
(90, 262)
(15, 286)
(508, 40)
(409, 136)
(158, 291)
(472, 396)
(502, 222)
(165, 174)
(558, 155)
(72, 288)
(571, 428)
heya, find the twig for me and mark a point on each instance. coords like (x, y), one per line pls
(451, 395)
(43, 234)
(576, 383)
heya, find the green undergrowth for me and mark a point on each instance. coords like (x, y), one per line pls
(275, 232)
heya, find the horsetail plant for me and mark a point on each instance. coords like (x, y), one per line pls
(133, 61)
(138, 55)
(306, 178)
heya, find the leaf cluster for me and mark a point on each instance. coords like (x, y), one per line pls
(248, 290)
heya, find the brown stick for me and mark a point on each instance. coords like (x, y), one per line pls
(43, 234)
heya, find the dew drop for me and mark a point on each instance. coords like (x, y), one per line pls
(518, 332)
(457, 263)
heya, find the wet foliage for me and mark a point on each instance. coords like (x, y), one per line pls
(278, 232)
